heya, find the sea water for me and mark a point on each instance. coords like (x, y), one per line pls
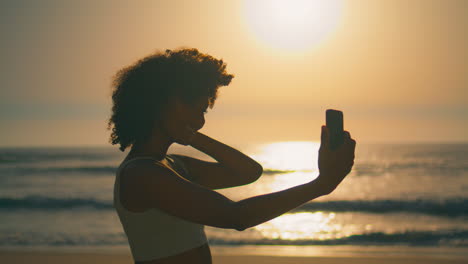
(398, 199)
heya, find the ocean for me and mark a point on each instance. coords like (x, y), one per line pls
(398, 199)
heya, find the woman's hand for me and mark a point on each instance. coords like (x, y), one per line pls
(334, 165)
(186, 136)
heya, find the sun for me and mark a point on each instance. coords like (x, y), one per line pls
(294, 25)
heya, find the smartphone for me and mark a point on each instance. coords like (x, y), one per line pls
(334, 122)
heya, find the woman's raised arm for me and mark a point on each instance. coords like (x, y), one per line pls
(168, 191)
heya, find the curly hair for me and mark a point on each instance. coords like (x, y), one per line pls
(142, 90)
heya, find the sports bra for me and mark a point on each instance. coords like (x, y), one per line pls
(154, 234)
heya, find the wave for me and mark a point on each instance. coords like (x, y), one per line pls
(41, 238)
(51, 203)
(424, 167)
(41, 154)
(456, 238)
(358, 170)
(273, 171)
(450, 207)
(452, 238)
(446, 208)
(60, 170)
(95, 170)
(88, 170)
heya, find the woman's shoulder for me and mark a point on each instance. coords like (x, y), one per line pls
(138, 165)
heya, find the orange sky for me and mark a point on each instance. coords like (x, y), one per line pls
(397, 69)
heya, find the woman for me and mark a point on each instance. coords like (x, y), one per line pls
(164, 201)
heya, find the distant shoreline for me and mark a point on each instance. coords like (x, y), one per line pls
(247, 143)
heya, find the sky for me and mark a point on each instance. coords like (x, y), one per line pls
(397, 69)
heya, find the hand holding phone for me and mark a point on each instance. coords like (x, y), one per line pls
(336, 153)
(334, 122)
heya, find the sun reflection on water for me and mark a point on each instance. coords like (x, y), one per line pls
(299, 226)
(300, 157)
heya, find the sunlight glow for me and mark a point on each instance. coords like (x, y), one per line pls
(292, 24)
(290, 155)
(285, 181)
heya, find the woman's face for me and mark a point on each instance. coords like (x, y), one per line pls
(181, 114)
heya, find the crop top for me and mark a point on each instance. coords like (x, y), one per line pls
(154, 234)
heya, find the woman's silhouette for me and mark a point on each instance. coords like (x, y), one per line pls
(163, 201)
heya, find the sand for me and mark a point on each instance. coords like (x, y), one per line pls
(18, 257)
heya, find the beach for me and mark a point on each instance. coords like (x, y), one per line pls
(19, 257)
(400, 204)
